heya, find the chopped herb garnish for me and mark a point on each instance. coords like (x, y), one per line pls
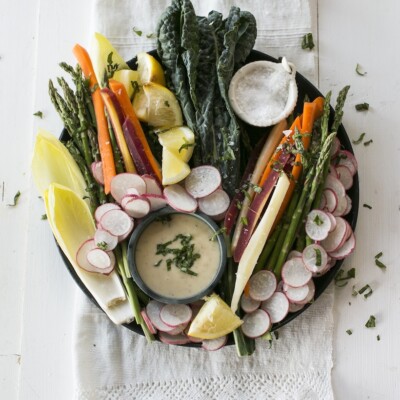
(218, 232)
(360, 139)
(137, 31)
(164, 219)
(256, 188)
(379, 255)
(166, 103)
(16, 198)
(368, 142)
(318, 221)
(371, 323)
(380, 264)
(185, 145)
(268, 337)
(308, 42)
(318, 257)
(359, 70)
(366, 289)
(151, 36)
(354, 292)
(362, 107)
(244, 221)
(38, 114)
(349, 332)
(136, 89)
(43, 217)
(378, 338)
(342, 278)
(276, 334)
(367, 206)
(157, 264)
(102, 245)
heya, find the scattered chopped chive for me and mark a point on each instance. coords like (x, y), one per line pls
(368, 142)
(151, 36)
(349, 303)
(354, 292)
(164, 219)
(318, 257)
(359, 70)
(166, 103)
(379, 255)
(256, 188)
(44, 217)
(244, 221)
(308, 42)
(342, 278)
(349, 332)
(378, 338)
(218, 232)
(366, 289)
(38, 114)
(16, 198)
(371, 323)
(276, 334)
(362, 107)
(367, 206)
(268, 337)
(185, 145)
(158, 263)
(318, 221)
(137, 31)
(102, 245)
(360, 139)
(380, 264)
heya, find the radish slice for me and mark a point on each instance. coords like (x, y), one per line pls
(176, 330)
(347, 159)
(334, 184)
(315, 258)
(248, 304)
(131, 191)
(295, 273)
(175, 314)
(170, 339)
(296, 294)
(293, 307)
(215, 204)
(81, 256)
(202, 181)
(105, 240)
(318, 225)
(277, 307)
(99, 259)
(262, 285)
(214, 344)
(153, 309)
(256, 323)
(337, 237)
(335, 147)
(101, 210)
(117, 222)
(331, 200)
(345, 176)
(152, 185)
(333, 220)
(194, 339)
(341, 206)
(156, 201)
(349, 205)
(332, 171)
(137, 207)
(147, 321)
(346, 249)
(311, 292)
(97, 171)
(122, 182)
(323, 202)
(179, 199)
(279, 286)
(293, 254)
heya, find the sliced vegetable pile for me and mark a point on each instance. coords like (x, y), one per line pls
(127, 153)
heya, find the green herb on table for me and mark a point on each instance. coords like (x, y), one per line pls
(342, 278)
(367, 206)
(276, 334)
(379, 255)
(354, 292)
(16, 198)
(359, 70)
(38, 114)
(362, 107)
(379, 263)
(378, 338)
(366, 290)
(367, 143)
(137, 31)
(308, 42)
(360, 139)
(151, 35)
(43, 217)
(349, 332)
(371, 323)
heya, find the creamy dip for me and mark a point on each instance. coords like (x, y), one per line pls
(171, 281)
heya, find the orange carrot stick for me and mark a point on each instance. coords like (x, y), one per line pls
(119, 90)
(103, 135)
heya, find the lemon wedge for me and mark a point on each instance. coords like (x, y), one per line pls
(179, 141)
(149, 69)
(127, 77)
(215, 319)
(173, 168)
(158, 106)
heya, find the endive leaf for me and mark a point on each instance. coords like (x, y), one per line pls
(105, 58)
(72, 223)
(52, 162)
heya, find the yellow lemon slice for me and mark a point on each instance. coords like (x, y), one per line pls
(178, 140)
(128, 78)
(149, 69)
(173, 168)
(158, 106)
(215, 319)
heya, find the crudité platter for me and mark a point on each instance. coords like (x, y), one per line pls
(153, 154)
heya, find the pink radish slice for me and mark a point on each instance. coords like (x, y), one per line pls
(156, 201)
(331, 200)
(262, 285)
(279, 286)
(318, 225)
(341, 206)
(315, 258)
(137, 207)
(152, 185)
(296, 294)
(153, 309)
(101, 210)
(333, 220)
(173, 339)
(328, 266)
(122, 182)
(97, 171)
(194, 339)
(346, 249)
(277, 307)
(335, 147)
(215, 204)
(323, 202)
(295, 273)
(99, 259)
(335, 238)
(256, 323)
(121, 238)
(214, 344)
(347, 159)
(131, 191)
(334, 184)
(311, 293)
(332, 171)
(147, 321)
(176, 330)
(179, 199)
(105, 239)
(293, 254)
(247, 304)
(293, 307)
(117, 222)
(345, 176)
(202, 181)
(175, 314)
(81, 256)
(349, 205)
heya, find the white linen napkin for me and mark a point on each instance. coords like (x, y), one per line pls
(111, 362)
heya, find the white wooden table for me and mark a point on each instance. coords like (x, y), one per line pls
(36, 291)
